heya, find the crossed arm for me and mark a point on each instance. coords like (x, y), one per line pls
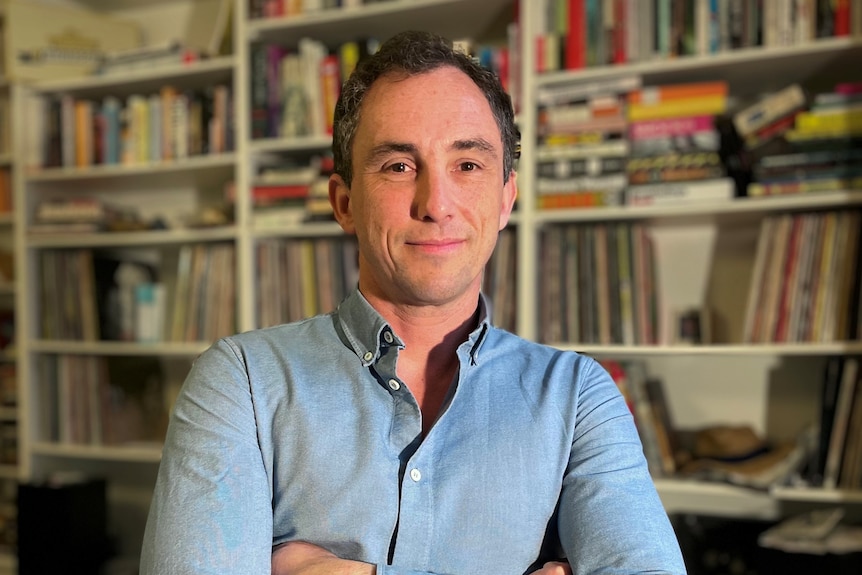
(301, 558)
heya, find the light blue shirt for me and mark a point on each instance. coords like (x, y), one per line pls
(304, 432)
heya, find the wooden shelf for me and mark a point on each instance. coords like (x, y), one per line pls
(301, 144)
(310, 229)
(192, 74)
(380, 20)
(830, 496)
(143, 238)
(732, 210)
(167, 348)
(699, 497)
(190, 165)
(146, 453)
(770, 66)
(771, 349)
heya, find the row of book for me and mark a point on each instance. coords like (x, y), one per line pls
(294, 91)
(5, 190)
(733, 452)
(646, 401)
(583, 33)
(499, 282)
(289, 192)
(837, 457)
(303, 277)
(114, 298)
(805, 285)
(141, 128)
(802, 143)
(5, 120)
(599, 285)
(289, 8)
(204, 295)
(93, 400)
(615, 142)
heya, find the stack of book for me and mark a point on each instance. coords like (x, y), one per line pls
(769, 118)
(599, 285)
(805, 283)
(288, 193)
(675, 145)
(583, 147)
(823, 152)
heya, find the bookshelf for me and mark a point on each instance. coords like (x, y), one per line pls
(705, 254)
(773, 387)
(10, 383)
(10, 435)
(165, 194)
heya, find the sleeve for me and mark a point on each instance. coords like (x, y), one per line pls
(211, 511)
(611, 519)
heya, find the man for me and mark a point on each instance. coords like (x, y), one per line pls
(403, 434)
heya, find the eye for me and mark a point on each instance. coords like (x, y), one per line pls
(398, 167)
(468, 166)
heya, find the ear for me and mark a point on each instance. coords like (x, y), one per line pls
(339, 199)
(510, 194)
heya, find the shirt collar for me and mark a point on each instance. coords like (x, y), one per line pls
(368, 334)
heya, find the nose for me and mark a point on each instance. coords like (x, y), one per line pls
(434, 195)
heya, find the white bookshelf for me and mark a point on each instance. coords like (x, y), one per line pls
(772, 387)
(9, 414)
(733, 380)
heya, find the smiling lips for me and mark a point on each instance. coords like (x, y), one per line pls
(436, 246)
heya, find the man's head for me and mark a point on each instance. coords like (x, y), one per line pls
(408, 54)
(423, 173)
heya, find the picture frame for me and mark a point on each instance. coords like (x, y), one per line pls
(691, 326)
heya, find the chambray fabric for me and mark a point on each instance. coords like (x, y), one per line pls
(304, 432)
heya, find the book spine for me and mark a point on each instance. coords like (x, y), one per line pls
(663, 128)
(769, 109)
(573, 167)
(670, 193)
(706, 105)
(581, 183)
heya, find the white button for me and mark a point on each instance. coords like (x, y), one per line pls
(415, 474)
(394, 385)
(387, 335)
(368, 356)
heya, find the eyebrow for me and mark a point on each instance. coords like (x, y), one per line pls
(479, 144)
(385, 148)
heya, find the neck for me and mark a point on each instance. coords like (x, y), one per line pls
(438, 328)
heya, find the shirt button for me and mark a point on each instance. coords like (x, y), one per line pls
(394, 385)
(415, 474)
(387, 336)
(368, 356)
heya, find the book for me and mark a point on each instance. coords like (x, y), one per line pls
(826, 184)
(668, 127)
(720, 189)
(654, 95)
(588, 166)
(838, 433)
(769, 109)
(696, 106)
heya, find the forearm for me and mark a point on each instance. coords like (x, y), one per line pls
(301, 558)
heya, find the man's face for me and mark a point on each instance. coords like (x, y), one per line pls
(427, 198)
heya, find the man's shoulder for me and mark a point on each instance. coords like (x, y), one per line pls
(306, 332)
(510, 344)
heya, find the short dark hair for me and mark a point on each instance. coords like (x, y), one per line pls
(414, 53)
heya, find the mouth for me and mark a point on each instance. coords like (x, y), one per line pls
(437, 246)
